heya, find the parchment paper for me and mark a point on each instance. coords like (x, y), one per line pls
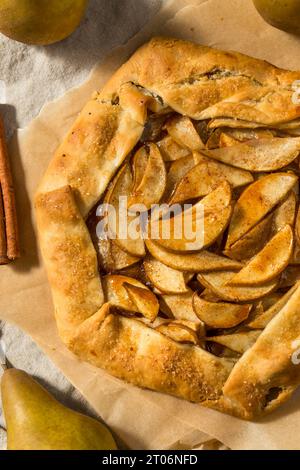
(143, 419)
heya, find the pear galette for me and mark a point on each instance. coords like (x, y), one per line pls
(213, 319)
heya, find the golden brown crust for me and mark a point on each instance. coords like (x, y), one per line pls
(202, 83)
(131, 351)
(266, 374)
(206, 83)
(100, 139)
(71, 259)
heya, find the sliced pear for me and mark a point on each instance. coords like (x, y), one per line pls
(194, 326)
(176, 172)
(213, 142)
(220, 315)
(259, 309)
(204, 261)
(290, 276)
(260, 320)
(259, 155)
(121, 187)
(165, 279)
(171, 150)
(183, 131)
(218, 283)
(205, 177)
(139, 165)
(256, 312)
(144, 300)
(136, 271)
(295, 260)
(285, 214)
(243, 135)
(112, 258)
(293, 132)
(294, 124)
(179, 333)
(233, 123)
(209, 295)
(271, 299)
(179, 306)
(152, 186)
(269, 262)
(239, 342)
(117, 295)
(197, 327)
(297, 227)
(221, 351)
(205, 222)
(256, 202)
(251, 243)
(227, 140)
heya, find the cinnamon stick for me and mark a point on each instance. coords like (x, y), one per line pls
(3, 246)
(9, 239)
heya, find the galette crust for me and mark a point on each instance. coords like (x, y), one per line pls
(202, 83)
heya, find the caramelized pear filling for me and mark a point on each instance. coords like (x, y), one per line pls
(221, 293)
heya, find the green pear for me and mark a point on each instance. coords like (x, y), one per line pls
(283, 14)
(40, 22)
(36, 421)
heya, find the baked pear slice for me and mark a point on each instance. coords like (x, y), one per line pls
(116, 293)
(243, 135)
(112, 258)
(260, 321)
(204, 261)
(238, 342)
(259, 155)
(165, 279)
(285, 213)
(149, 189)
(195, 326)
(289, 125)
(205, 177)
(257, 201)
(144, 300)
(139, 165)
(213, 140)
(218, 283)
(227, 140)
(128, 240)
(290, 276)
(232, 123)
(183, 131)
(297, 226)
(252, 242)
(204, 222)
(179, 306)
(176, 172)
(269, 262)
(295, 260)
(220, 314)
(179, 332)
(171, 150)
